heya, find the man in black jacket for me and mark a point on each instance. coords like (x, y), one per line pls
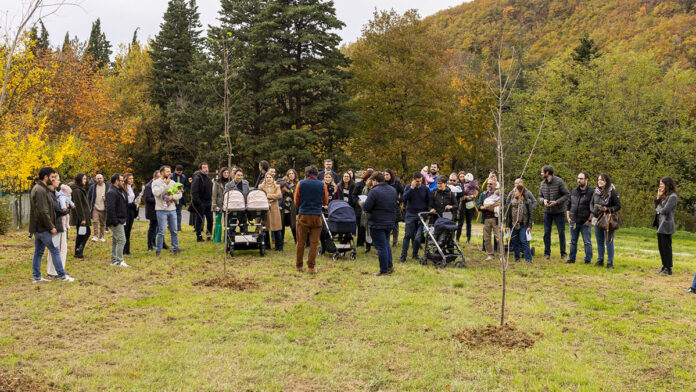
(381, 204)
(417, 199)
(202, 201)
(553, 195)
(116, 205)
(579, 217)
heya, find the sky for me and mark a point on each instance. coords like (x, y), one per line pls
(120, 18)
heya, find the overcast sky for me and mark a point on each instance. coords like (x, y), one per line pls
(119, 18)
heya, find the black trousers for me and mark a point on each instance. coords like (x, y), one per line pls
(132, 213)
(81, 240)
(203, 211)
(664, 243)
(465, 215)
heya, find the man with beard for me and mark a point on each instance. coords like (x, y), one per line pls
(165, 205)
(202, 200)
(434, 175)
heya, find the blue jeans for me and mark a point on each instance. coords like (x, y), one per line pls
(693, 284)
(518, 240)
(179, 206)
(602, 240)
(380, 240)
(165, 218)
(42, 241)
(586, 232)
(412, 232)
(559, 220)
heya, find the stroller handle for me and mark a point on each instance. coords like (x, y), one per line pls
(428, 213)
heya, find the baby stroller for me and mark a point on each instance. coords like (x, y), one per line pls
(440, 244)
(338, 231)
(246, 226)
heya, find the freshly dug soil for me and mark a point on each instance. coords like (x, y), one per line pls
(507, 336)
(17, 381)
(228, 282)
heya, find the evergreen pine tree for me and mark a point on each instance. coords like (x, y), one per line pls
(67, 45)
(42, 41)
(586, 51)
(98, 47)
(289, 85)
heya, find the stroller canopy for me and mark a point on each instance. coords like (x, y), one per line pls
(257, 200)
(341, 211)
(233, 201)
(444, 224)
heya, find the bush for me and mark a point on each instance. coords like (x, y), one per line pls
(5, 217)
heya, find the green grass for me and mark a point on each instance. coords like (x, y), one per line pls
(149, 328)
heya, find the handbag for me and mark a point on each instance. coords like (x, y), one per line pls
(609, 221)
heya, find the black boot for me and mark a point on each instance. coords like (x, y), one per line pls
(78, 252)
(610, 265)
(599, 263)
(367, 248)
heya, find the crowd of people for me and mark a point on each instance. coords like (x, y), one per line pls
(379, 198)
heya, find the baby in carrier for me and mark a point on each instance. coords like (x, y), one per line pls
(171, 191)
(489, 201)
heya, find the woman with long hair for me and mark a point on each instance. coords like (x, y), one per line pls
(274, 223)
(665, 205)
(330, 185)
(519, 222)
(80, 217)
(218, 201)
(357, 191)
(132, 211)
(288, 207)
(605, 200)
(345, 189)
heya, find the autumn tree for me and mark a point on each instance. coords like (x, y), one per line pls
(399, 90)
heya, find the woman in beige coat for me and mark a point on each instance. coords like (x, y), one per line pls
(273, 224)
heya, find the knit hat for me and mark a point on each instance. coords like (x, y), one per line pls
(66, 189)
(469, 177)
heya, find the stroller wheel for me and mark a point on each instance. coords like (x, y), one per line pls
(460, 264)
(335, 256)
(320, 250)
(423, 260)
(262, 250)
(353, 255)
(441, 264)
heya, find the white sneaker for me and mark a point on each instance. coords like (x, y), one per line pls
(42, 279)
(489, 258)
(95, 238)
(102, 239)
(67, 278)
(123, 264)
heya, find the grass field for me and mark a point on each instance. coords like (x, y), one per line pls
(150, 328)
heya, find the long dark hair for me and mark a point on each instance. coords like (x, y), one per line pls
(222, 178)
(392, 177)
(670, 186)
(78, 179)
(341, 184)
(607, 184)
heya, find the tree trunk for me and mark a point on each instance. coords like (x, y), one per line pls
(404, 164)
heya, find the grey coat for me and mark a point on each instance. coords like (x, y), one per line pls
(665, 214)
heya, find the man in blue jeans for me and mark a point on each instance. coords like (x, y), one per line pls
(42, 224)
(417, 199)
(165, 207)
(381, 205)
(553, 195)
(579, 218)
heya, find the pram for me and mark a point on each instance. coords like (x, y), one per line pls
(246, 220)
(440, 244)
(339, 230)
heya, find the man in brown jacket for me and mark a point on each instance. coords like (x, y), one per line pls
(42, 224)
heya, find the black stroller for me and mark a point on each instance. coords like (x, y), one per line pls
(339, 230)
(440, 245)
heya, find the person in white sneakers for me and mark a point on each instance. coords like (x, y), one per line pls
(42, 224)
(116, 204)
(96, 196)
(165, 207)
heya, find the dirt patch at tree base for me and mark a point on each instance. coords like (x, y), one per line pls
(507, 336)
(228, 282)
(18, 381)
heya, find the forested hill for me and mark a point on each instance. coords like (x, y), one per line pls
(543, 28)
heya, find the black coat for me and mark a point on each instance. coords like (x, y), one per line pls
(579, 204)
(150, 213)
(116, 205)
(381, 205)
(441, 199)
(201, 188)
